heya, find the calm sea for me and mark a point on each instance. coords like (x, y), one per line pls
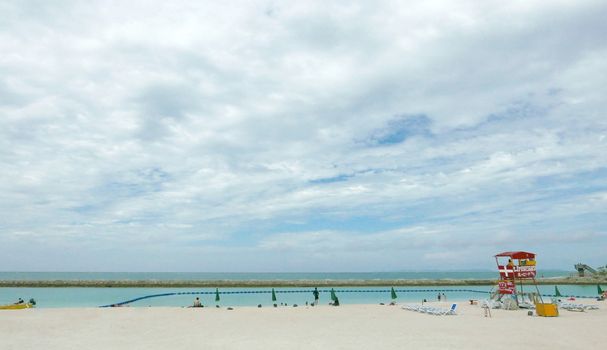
(237, 276)
(93, 297)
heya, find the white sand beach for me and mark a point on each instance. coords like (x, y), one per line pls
(323, 327)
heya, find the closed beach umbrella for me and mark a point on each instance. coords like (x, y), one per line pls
(393, 294)
(273, 295)
(598, 288)
(333, 297)
(556, 292)
(216, 294)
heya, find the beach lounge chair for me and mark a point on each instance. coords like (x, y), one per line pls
(418, 308)
(491, 304)
(424, 309)
(526, 305)
(414, 307)
(451, 311)
(411, 307)
(431, 310)
(572, 307)
(437, 311)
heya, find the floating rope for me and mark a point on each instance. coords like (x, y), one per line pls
(300, 291)
(296, 291)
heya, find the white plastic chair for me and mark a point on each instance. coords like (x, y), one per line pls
(451, 311)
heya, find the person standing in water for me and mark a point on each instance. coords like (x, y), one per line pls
(316, 296)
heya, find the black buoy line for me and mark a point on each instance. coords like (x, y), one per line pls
(323, 291)
(301, 291)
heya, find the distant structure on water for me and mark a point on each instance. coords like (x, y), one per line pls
(582, 268)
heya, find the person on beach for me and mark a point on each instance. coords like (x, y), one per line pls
(197, 302)
(444, 297)
(438, 297)
(316, 295)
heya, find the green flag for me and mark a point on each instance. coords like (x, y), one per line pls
(273, 295)
(393, 294)
(557, 293)
(333, 297)
(598, 288)
(216, 294)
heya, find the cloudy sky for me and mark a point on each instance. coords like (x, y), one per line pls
(301, 136)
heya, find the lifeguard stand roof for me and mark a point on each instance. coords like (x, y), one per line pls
(518, 255)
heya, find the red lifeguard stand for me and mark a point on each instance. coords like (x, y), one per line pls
(516, 268)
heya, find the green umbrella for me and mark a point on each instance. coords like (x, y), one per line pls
(598, 288)
(216, 294)
(393, 294)
(333, 296)
(556, 292)
(273, 295)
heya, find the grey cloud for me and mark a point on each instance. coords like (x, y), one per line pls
(8, 96)
(168, 101)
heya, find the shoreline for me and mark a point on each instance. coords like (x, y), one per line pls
(283, 283)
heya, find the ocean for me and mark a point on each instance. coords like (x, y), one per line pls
(240, 276)
(94, 297)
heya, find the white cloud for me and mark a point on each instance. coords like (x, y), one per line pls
(221, 125)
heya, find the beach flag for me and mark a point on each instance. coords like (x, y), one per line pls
(556, 292)
(333, 297)
(217, 294)
(273, 295)
(598, 288)
(393, 294)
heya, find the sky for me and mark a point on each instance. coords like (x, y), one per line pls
(320, 136)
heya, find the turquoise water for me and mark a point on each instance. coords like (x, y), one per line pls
(232, 276)
(93, 297)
